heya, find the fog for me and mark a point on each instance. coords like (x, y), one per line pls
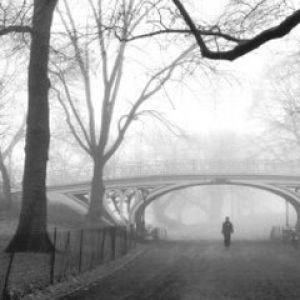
(239, 113)
(198, 212)
(137, 138)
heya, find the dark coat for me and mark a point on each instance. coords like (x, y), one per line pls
(227, 228)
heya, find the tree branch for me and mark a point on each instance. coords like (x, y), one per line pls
(173, 128)
(69, 122)
(145, 94)
(73, 36)
(15, 29)
(72, 106)
(186, 31)
(243, 47)
(98, 20)
(16, 138)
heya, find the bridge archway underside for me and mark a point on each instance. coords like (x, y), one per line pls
(280, 190)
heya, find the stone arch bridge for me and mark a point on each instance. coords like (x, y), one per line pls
(132, 187)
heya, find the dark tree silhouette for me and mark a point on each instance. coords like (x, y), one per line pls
(243, 46)
(31, 234)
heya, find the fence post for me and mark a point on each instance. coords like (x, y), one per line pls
(80, 250)
(131, 236)
(4, 292)
(98, 246)
(125, 240)
(93, 244)
(103, 244)
(67, 254)
(113, 242)
(52, 258)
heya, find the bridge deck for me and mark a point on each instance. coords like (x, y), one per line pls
(287, 180)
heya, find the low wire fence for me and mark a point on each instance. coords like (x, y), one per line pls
(76, 251)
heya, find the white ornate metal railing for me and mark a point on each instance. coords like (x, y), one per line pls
(195, 167)
(183, 167)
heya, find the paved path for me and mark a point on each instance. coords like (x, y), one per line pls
(205, 271)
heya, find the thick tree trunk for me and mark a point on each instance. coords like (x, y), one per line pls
(96, 209)
(32, 233)
(7, 200)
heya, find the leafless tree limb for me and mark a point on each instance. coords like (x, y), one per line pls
(70, 124)
(242, 47)
(14, 29)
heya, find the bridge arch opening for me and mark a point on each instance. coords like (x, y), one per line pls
(243, 221)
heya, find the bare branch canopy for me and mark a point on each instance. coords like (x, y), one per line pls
(242, 47)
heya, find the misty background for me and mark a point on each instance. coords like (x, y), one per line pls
(213, 111)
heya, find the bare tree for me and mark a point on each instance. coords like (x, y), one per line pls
(32, 233)
(239, 46)
(96, 139)
(230, 37)
(279, 112)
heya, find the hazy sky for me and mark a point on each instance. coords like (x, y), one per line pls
(220, 102)
(226, 104)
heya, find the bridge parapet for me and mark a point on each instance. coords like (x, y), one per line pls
(181, 167)
(197, 167)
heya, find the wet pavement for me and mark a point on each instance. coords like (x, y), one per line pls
(249, 270)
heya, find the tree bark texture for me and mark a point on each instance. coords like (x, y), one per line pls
(97, 194)
(97, 214)
(31, 234)
(6, 188)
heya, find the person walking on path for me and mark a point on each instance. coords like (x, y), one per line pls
(227, 230)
